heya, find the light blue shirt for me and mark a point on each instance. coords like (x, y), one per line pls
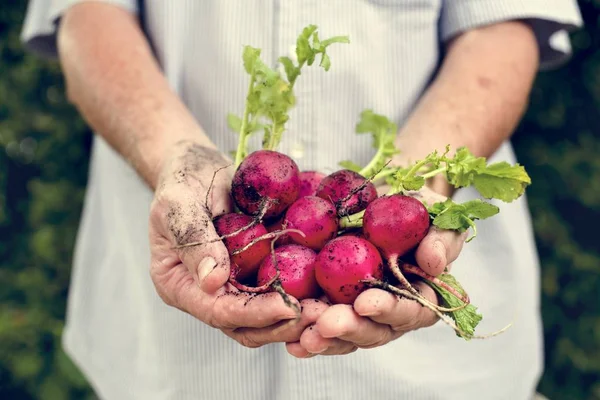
(132, 346)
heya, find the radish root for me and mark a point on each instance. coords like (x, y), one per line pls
(212, 181)
(339, 203)
(276, 285)
(394, 267)
(257, 220)
(273, 281)
(271, 235)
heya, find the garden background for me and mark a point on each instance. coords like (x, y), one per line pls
(43, 169)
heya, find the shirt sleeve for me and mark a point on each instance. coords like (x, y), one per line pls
(551, 20)
(42, 18)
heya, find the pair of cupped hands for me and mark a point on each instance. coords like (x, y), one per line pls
(195, 279)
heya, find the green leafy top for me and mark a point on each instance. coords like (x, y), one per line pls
(408, 179)
(466, 318)
(306, 52)
(499, 180)
(270, 96)
(460, 217)
(384, 132)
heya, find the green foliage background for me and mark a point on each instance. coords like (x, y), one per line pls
(43, 169)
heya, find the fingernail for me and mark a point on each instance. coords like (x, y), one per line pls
(371, 313)
(205, 267)
(319, 351)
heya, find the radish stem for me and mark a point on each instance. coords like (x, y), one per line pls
(243, 138)
(411, 269)
(270, 235)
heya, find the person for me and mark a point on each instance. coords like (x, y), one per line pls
(155, 81)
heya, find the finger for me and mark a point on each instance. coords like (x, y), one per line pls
(342, 322)
(340, 348)
(178, 219)
(213, 274)
(295, 349)
(285, 331)
(314, 343)
(219, 200)
(227, 308)
(438, 249)
(207, 257)
(401, 314)
(233, 310)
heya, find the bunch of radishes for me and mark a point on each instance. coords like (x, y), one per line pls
(306, 234)
(288, 229)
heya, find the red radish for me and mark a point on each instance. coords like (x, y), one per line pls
(343, 263)
(249, 260)
(309, 182)
(315, 217)
(349, 191)
(395, 224)
(277, 226)
(296, 266)
(265, 184)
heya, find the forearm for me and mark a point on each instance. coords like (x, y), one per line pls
(116, 84)
(478, 97)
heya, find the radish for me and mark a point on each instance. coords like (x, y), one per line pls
(315, 217)
(342, 265)
(395, 225)
(277, 226)
(349, 191)
(265, 184)
(309, 182)
(296, 265)
(246, 262)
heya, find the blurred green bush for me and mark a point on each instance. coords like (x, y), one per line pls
(43, 170)
(558, 141)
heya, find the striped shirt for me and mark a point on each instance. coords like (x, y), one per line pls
(132, 346)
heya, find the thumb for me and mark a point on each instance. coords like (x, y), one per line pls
(214, 268)
(208, 259)
(438, 250)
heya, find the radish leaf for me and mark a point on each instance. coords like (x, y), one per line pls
(384, 133)
(350, 165)
(460, 217)
(494, 181)
(270, 96)
(467, 318)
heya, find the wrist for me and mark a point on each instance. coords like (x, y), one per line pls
(190, 161)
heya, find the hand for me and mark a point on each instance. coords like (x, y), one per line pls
(194, 279)
(377, 316)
